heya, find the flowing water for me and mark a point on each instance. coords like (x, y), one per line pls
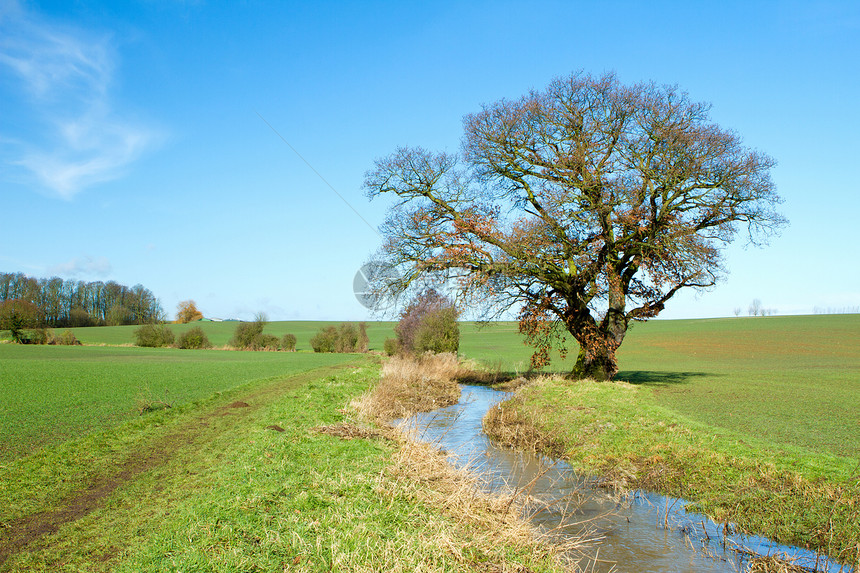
(642, 532)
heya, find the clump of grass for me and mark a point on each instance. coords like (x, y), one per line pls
(773, 564)
(146, 401)
(507, 425)
(410, 385)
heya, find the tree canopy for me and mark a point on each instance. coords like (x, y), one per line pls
(70, 303)
(583, 207)
(186, 311)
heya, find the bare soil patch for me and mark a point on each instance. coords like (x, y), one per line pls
(347, 431)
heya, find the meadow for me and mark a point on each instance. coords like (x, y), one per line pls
(741, 392)
(790, 380)
(54, 393)
(239, 474)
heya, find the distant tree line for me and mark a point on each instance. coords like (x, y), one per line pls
(71, 303)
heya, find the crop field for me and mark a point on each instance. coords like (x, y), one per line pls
(53, 393)
(787, 380)
(778, 391)
(743, 374)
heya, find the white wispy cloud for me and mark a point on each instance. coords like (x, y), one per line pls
(87, 266)
(77, 136)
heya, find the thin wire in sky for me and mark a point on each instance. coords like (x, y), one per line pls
(354, 210)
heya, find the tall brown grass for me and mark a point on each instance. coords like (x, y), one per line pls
(487, 524)
(490, 525)
(410, 385)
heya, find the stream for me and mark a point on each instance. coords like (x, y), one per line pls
(643, 532)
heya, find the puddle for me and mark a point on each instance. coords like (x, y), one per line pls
(643, 532)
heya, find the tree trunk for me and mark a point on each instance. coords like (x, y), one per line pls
(599, 365)
(598, 342)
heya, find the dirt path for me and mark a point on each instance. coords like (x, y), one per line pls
(31, 530)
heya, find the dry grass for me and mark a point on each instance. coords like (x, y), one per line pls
(347, 431)
(483, 532)
(773, 564)
(487, 526)
(413, 385)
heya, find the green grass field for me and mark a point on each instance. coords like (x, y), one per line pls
(241, 480)
(721, 399)
(788, 380)
(793, 380)
(755, 420)
(53, 393)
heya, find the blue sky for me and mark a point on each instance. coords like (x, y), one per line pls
(133, 145)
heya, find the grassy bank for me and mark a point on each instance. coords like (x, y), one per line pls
(755, 420)
(259, 478)
(624, 433)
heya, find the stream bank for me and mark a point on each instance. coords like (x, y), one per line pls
(641, 532)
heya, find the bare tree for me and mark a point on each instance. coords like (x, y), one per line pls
(755, 307)
(584, 206)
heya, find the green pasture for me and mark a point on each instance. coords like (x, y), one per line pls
(723, 397)
(793, 380)
(755, 420)
(52, 393)
(789, 380)
(244, 481)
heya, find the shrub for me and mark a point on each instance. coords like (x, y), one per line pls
(267, 342)
(194, 338)
(288, 342)
(429, 323)
(392, 346)
(66, 339)
(250, 336)
(153, 336)
(325, 340)
(363, 342)
(346, 338)
(438, 332)
(246, 335)
(36, 336)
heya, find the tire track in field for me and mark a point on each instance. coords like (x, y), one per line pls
(30, 530)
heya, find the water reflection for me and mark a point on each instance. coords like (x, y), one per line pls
(644, 532)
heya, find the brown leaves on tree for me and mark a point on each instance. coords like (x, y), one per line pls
(582, 207)
(186, 311)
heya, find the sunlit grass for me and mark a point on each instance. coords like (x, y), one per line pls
(53, 393)
(260, 488)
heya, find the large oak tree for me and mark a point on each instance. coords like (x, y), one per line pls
(584, 207)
